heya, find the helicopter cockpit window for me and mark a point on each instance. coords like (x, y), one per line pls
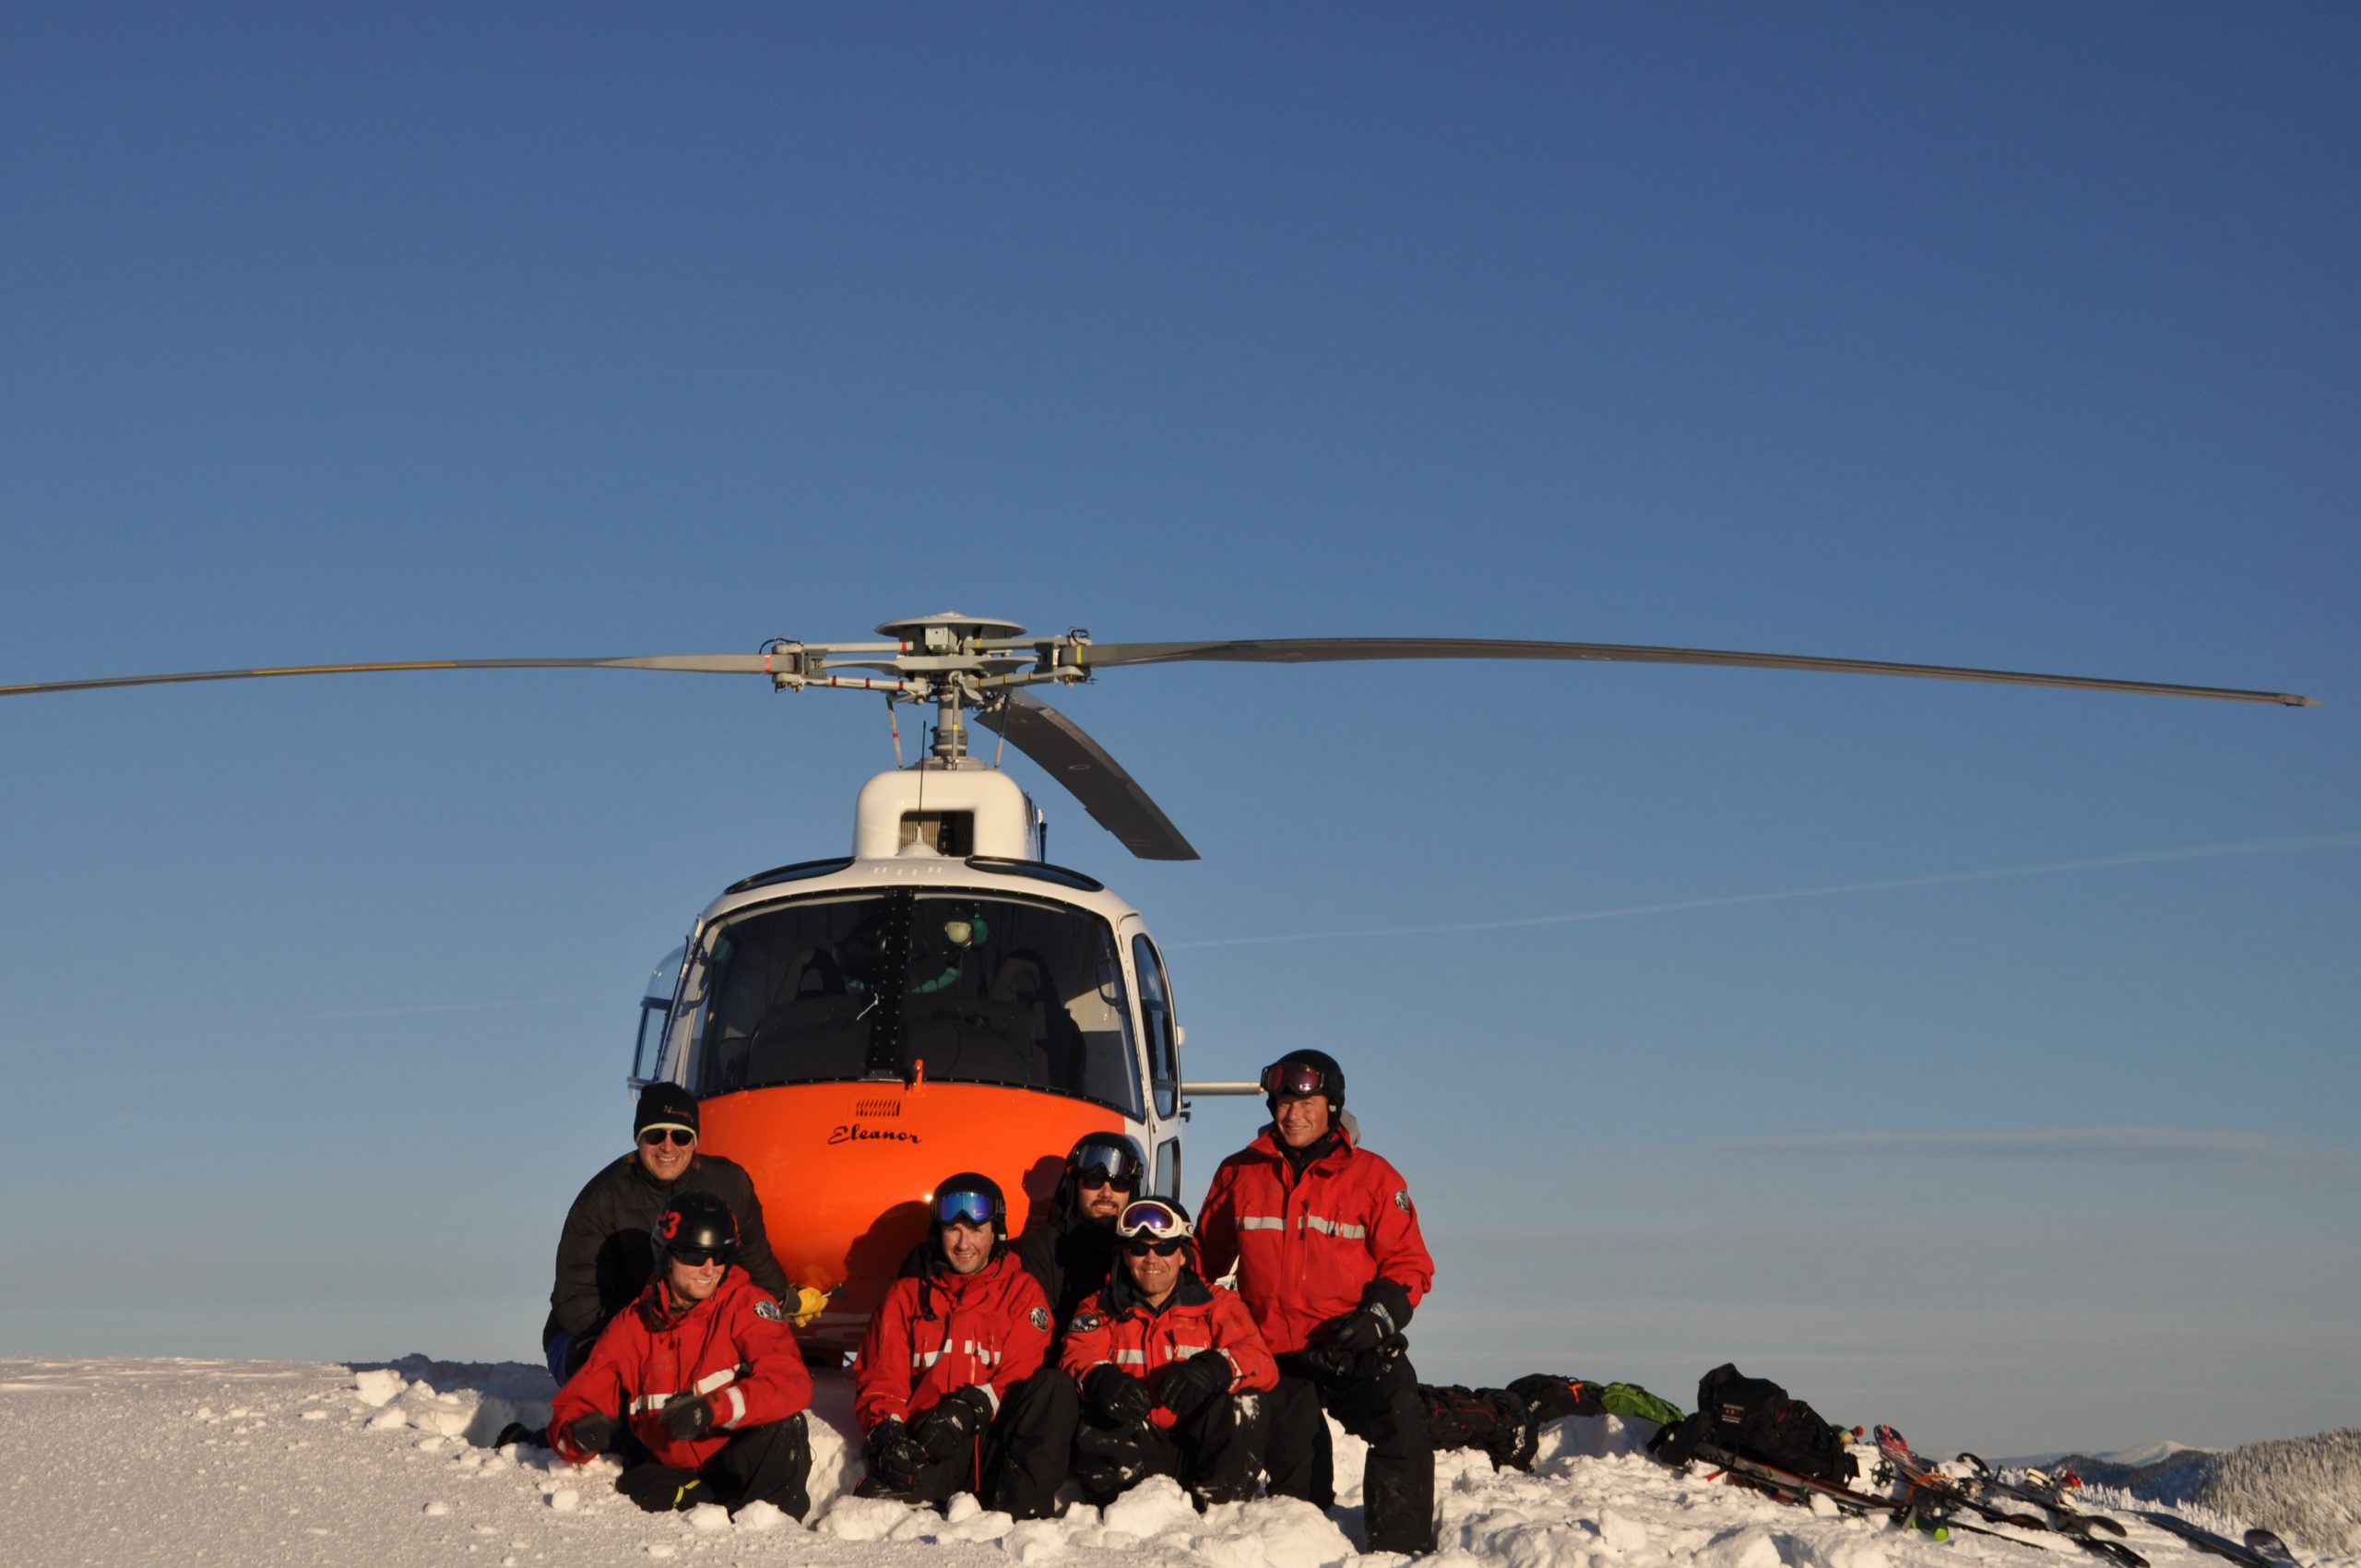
(655, 1003)
(981, 990)
(1155, 1010)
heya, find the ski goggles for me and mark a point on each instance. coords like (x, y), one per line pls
(962, 1208)
(1152, 1220)
(1294, 1078)
(1103, 1165)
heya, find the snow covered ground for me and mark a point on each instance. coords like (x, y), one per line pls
(188, 1463)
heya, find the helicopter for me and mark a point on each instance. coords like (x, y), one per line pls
(943, 997)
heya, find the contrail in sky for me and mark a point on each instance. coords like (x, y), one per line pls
(2101, 862)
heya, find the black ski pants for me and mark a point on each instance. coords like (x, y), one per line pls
(1377, 1403)
(771, 1464)
(1215, 1452)
(1020, 1462)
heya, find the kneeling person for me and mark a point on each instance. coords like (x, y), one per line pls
(711, 1375)
(1168, 1367)
(948, 1344)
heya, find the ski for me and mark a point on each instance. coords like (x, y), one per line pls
(1918, 1475)
(2250, 1555)
(1790, 1486)
(2051, 1493)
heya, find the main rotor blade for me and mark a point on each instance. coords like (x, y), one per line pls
(1112, 797)
(688, 663)
(1320, 650)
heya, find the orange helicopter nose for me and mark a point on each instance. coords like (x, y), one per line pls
(844, 1172)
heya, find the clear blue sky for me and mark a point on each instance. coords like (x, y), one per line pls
(2012, 335)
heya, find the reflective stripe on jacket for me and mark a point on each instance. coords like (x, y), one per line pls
(1307, 1247)
(734, 1345)
(1115, 1328)
(941, 1332)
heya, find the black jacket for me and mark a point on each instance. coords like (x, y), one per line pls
(604, 1257)
(1071, 1256)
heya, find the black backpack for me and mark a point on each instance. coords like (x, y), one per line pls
(1754, 1418)
(1490, 1419)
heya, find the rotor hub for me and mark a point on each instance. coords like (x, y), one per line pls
(948, 631)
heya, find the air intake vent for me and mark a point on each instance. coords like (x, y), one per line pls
(877, 1107)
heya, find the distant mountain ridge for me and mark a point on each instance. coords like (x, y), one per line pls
(2308, 1489)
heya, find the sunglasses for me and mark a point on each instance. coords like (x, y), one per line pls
(1142, 1246)
(698, 1257)
(1091, 1180)
(681, 1137)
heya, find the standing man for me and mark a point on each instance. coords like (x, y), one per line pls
(947, 1346)
(1069, 1243)
(604, 1261)
(1168, 1367)
(1330, 1260)
(710, 1373)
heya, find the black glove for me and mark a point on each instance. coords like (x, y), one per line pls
(952, 1424)
(1118, 1396)
(1359, 1332)
(660, 1489)
(893, 1460)
(1194, 1381)
(590, 1433)
(688, 1420)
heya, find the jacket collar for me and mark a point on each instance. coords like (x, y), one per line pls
(1340, 1149)
(935, 1276)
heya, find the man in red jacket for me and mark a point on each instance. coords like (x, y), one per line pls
(1326, 1245)
(947, 1346)
(1170, 1369)
(710, 1375)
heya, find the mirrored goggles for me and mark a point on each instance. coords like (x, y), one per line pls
(962, 1208)
(1154, 1221)
(1294, 1078)
(1099, 1165)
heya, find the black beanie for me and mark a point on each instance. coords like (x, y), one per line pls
(665, 1105)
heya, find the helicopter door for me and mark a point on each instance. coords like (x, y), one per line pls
(655, 1007)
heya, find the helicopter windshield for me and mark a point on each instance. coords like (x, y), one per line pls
(981, 990)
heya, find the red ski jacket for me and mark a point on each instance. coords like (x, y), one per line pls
(734, 1345)
(1116, 1328)
(1307, 1247)
(941, 1332)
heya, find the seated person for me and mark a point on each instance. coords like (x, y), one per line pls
(710, 1372)
(950, 1340)
(1168, 1368)
(603, 1259)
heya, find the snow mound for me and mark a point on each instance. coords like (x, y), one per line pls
(174, 1462)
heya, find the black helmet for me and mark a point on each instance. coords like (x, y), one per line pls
(1323, 1077)
(695, 1222)
(972, 1197)
(1117, 1154)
